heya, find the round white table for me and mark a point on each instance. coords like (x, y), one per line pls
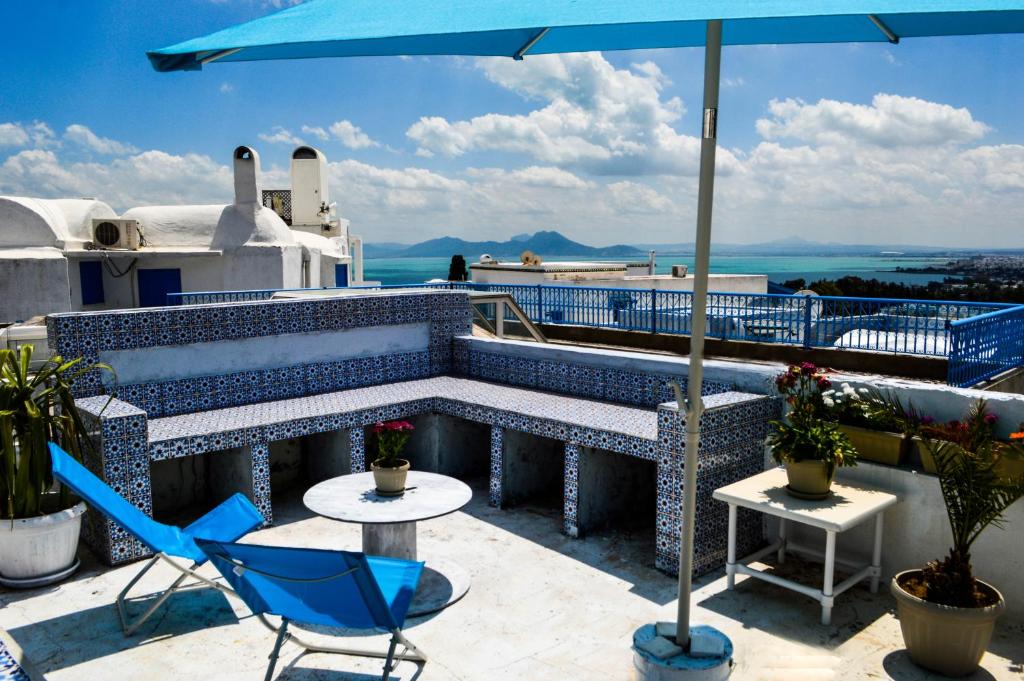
(389, 525)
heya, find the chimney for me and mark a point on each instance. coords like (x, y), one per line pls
(247, 175)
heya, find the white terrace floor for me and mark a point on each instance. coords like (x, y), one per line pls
(542, 606)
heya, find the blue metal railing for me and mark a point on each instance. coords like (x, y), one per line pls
(893, 325)
(986, 345)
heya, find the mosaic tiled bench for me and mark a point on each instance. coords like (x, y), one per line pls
(611, 408)
(736, 424)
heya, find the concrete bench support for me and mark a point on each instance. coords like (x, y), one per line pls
(572, 486)
(497, 452)
(734, 428)
(357, 450)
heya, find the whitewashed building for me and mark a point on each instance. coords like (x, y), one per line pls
(639, 275)
(59, 255)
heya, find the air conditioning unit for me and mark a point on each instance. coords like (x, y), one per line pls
(115, 233)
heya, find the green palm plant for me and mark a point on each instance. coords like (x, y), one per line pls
(976, 497)
(36, 407)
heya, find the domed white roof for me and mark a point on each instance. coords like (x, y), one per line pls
(222, 227)
(48, 222)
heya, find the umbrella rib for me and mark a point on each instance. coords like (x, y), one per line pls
(521, 52)
(889, 35)
(218, 55)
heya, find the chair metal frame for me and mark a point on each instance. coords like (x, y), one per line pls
(409, 653)
(129, 626)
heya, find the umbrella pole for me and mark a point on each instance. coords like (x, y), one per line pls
(698, 323)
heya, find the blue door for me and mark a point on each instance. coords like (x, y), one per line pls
(341, 274)
(154, 285)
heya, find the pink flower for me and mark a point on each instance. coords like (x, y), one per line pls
(990, 419)
(807, 369)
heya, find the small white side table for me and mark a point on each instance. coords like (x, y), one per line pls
(849, 506)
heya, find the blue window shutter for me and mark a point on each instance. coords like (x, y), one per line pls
(90, 275)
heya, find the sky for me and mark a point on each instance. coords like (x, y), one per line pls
(920, 143)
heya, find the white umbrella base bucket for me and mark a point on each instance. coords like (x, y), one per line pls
(681, 667)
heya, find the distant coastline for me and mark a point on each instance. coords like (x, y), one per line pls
(551, 243)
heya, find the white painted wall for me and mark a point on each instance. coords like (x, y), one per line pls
(164, 363)
(610, 275)
(33, 281)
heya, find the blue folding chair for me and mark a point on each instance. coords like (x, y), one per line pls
(229, 521)
(329, 588)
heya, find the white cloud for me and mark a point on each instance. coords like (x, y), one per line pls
(226, 88)
(597, 119)
(733, 82)
(630, 197)
(280, 135)
(84, 137)
(825, 170)
(35, 134)
(149, 177)
(351, 136)
(316, 132)
(12, 135)
(890, 121)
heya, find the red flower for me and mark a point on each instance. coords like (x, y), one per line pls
(807, 369)
(990, 419)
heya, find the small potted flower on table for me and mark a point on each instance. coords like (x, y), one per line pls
(389, 469)
(809, 445)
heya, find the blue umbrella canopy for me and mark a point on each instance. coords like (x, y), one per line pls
(349, 28)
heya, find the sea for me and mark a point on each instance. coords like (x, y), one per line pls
(779, 268)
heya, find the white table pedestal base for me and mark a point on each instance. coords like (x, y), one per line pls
(395, 540)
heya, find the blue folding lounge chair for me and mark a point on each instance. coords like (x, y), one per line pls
(232, 519)
(330, 588)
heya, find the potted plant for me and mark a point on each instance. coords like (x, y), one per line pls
(809, 445)
(976, 429)
(874, 424)
(39, 528)
(389, 470)
(946, 614)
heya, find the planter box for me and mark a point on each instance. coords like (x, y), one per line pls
(876, 445)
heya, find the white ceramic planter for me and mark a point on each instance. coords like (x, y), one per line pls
(42, 550)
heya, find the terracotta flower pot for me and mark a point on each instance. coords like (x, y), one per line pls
(944, 638)
(390, 480)
(921, 451)
(875, 445)
(809, 479)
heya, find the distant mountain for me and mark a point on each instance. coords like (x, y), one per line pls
(545, 244)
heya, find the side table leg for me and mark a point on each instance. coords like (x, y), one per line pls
(830, 567)
(393, 540)
(876, 556)
(730, 561)
(782, 541)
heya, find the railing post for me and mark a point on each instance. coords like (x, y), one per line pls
(807, 321)
(654, 310)
(540, 303)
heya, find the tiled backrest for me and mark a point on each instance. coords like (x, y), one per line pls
(182, 359)
(562, 373)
